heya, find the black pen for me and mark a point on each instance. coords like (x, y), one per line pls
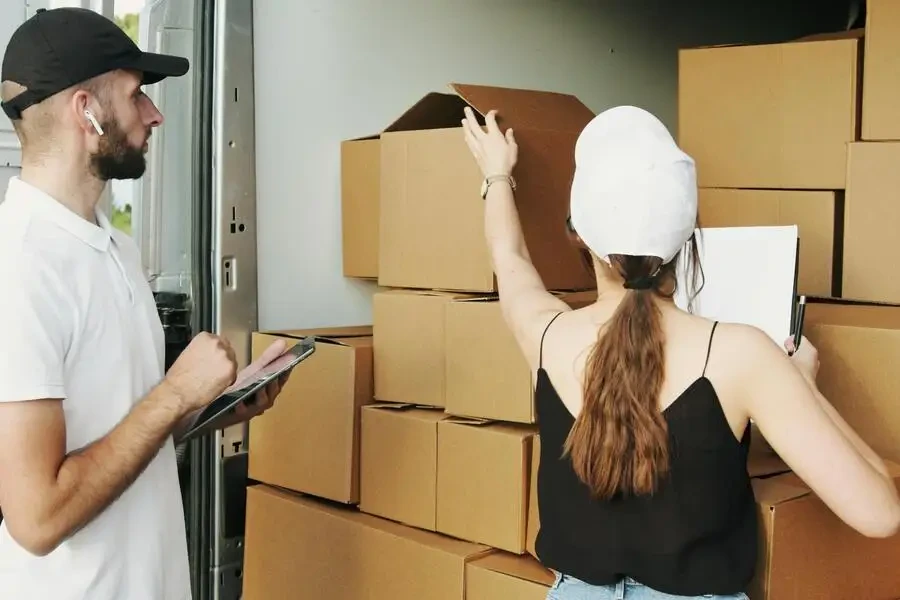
(798, 324)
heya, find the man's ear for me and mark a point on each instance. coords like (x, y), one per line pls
(83, 111)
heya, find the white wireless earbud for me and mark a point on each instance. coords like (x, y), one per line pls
(90, 117)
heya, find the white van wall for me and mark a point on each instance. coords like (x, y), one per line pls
(330, 70)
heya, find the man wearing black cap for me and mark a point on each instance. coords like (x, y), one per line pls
(88, 478)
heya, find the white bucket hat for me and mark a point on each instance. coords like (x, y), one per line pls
(634, 191)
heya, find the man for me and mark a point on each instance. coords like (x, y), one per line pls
(88, 478)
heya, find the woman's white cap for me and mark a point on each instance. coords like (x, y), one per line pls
(634, 191)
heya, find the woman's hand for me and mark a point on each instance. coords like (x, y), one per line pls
(495, 153)
(806, 358)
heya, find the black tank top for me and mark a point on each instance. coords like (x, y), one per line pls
(697, 534)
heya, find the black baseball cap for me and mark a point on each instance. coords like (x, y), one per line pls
(58, 48)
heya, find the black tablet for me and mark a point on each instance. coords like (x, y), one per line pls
(245, 390)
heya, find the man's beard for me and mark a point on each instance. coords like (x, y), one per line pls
(116, 158)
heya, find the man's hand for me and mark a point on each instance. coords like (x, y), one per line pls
(264, 398)
(203, 371)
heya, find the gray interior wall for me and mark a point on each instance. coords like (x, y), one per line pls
(326, 71)
(5, 174)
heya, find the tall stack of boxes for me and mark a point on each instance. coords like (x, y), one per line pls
(398, 461)
(808, 133)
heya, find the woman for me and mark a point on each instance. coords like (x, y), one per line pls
(644, 408)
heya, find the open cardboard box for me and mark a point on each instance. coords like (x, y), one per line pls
(431, 231)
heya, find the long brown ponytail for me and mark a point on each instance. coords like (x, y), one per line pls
(619, 443)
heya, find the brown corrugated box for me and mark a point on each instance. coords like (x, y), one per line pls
(296, 547)
(477, 335)
(871, 238)
(807, 552)
(409, 328)
(399, 463)
(482, 482)
(462, 477)
(859, 350)
(771, 116)
(819, 216)
(881, 86)
(504, 576)
(432, 215)
(309, 440)
(360, 188)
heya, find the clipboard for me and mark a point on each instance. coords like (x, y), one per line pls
(245, 390)
(751, 277)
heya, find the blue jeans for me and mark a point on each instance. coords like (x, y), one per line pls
(566, 587)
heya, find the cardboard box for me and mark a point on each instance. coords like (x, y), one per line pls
(410, 353)
(477, 335)
(871, 215)
(501, 575)
(881, 88)
(297, 547)
(360, 189)
(819, 215)
(487, 374)
(771, 116)
(432, 214)
(399, 463)
(807, 552)
(482, 482)
(309, 441)
(859, 348)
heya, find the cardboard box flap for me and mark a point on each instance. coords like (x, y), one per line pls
(868, 316)
(520, 567)
(433, 111)
(513, 430)
(849, 34)
(848, 301)
(456, 420)
(430, 293)
(527, 109)
(331, 333)
(428, 414)
(760, 464)
(772, 491)
(441, 543)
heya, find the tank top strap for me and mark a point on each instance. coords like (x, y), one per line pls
(709, 347)
(543, 335)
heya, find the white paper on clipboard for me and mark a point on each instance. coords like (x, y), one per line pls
(750, 276)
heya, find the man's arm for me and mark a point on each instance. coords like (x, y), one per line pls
(47, 495)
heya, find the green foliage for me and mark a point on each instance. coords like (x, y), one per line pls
(121, 218)
(129, 23)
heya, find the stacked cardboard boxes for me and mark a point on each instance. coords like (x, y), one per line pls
(400, 461)
(800, 133)
(397, 463)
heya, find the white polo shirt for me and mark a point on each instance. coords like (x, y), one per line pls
(78, 322)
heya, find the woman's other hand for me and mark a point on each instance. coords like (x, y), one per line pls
(805, 358)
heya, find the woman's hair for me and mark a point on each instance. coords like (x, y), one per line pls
(619, 443)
